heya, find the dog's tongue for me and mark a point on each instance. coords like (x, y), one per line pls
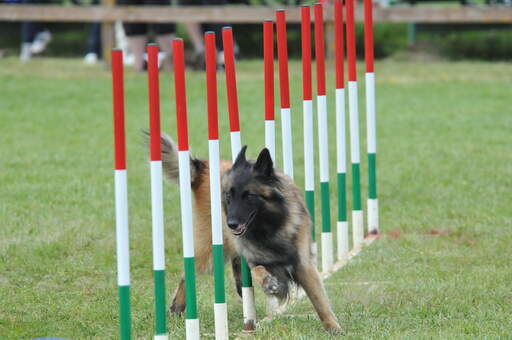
(240, 229)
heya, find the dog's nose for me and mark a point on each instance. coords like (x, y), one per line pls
(233, 224)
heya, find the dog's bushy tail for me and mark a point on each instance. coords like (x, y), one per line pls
(170, 160)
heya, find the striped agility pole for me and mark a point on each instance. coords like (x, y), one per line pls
(220, 306)
(157, 210)
(268, 60)
(307, 108)
(323, 139)
(249, 307)
(371, 134)
(342, 227)
(192, 321)
(357, 212)
(284, 91)
(121, 197)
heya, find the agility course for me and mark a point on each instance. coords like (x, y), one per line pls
(327, 255)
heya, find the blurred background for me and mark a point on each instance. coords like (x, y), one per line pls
(446, 29)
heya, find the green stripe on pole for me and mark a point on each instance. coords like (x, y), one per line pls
(190, 287)
(342, 197)
(125, 317)
(246, 273)
(159, 278)
(310, 202)
(326, 207)
(356, 187)
(372, 175)
(218, 273)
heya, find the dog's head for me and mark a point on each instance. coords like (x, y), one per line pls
(251, 194)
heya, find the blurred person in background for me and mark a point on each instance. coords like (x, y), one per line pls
(137, 35)
(34, 36)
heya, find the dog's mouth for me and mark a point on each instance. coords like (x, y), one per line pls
(242, 228)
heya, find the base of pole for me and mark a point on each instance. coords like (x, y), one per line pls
(373, 216)
(327, 252)
(249, 309)
(357, 228)
(343, 249)
(221, 321)
(192, 329)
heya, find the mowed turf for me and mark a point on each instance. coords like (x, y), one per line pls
(442, 268)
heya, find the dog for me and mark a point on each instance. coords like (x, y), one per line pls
(265, 220)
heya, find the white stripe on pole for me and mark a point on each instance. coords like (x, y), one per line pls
(248, 304)
(342, 227)
(161, 337)
(236, 144)
(270, 138)
(354, 122)
(122, 240)
(213, 150)
(286, 131)
(373, 214)
(327, 257)
(186, 205)
(357, 228)
(341, 131)
(323, 138)
(220, 311)
(192, 329)
(309, 157)
(157, 214)
(370, 112)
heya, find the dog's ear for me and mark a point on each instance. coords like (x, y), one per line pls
(240, 159)
(264, 164)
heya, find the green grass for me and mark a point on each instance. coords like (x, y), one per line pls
(441, 270)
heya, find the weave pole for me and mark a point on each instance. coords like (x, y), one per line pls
(268, 60)
(220, 306)
(121, 197)
(357, 212)
(157, 206)
(341, 157)
(249, 307)
(323, 139)
(192, 321)
(307, 108)
(284, 93)
(371, 134)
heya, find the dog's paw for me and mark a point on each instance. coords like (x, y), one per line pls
(177, 309)
(333, 328)
(271, 286)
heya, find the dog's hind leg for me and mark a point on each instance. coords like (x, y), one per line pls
(309, 278)
(178, 303)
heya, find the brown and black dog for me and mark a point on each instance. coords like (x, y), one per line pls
(265, 220)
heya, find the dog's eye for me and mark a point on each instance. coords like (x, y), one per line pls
(252, 196)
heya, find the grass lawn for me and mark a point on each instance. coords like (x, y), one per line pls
(442, 268)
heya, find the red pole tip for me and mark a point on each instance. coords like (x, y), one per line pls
(306, 52)
(368, 35)
(180, 93)
(154, 103)
(211, 84)
(338, 39)
(118, 108)
(282, 56)
(268, 59)
(351, 41)
(229, 64)
(319, 49)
